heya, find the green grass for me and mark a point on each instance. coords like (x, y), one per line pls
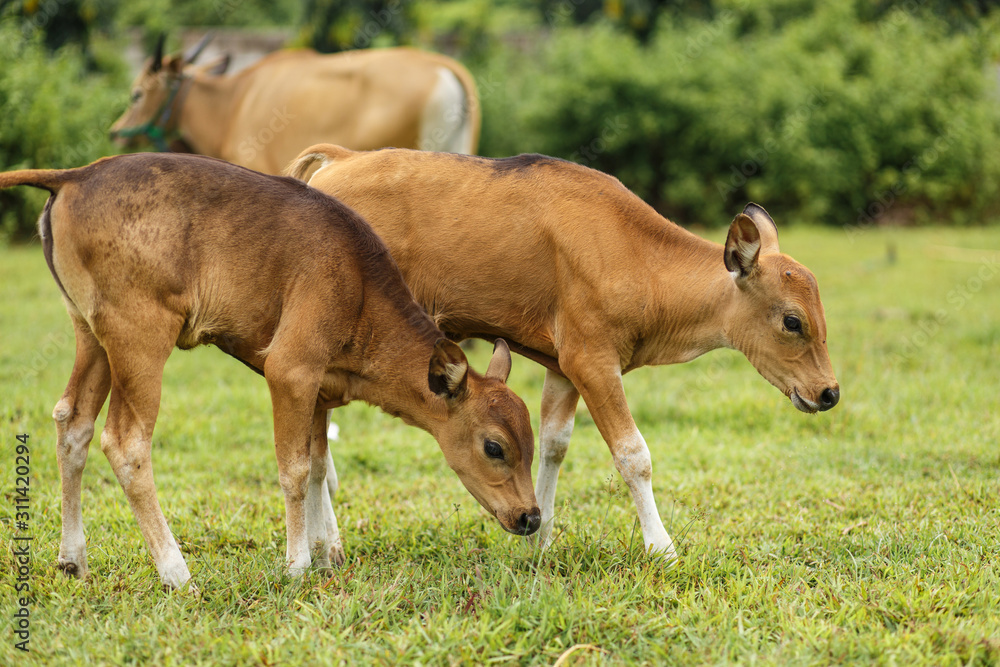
(868, 534)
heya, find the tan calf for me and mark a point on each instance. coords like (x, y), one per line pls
(263, 116)
(156, 251)
(582, 276)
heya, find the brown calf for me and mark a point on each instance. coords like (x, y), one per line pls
(152, 251)
(583, 277)
(264, 115)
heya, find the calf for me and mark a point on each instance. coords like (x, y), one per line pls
(582, 276)
(153, 251)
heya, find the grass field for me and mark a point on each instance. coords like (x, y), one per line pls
(866, 535)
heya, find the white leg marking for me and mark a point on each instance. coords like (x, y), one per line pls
(72, 446)
(633, 461)
(559, 399)
(171, 566)
(298, 486)
(321, 521)
(332, 481)
(297, 549)
(335, 548)
(315, 513)
(444, 126)
(554, 443)
(332, 435)
(132, 465)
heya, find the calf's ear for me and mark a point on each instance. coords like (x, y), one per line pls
(448, 371)
(752, 234)
(742, 246)
(499, 367)
(765, 226)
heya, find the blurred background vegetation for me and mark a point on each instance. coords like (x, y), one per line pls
(848, 112)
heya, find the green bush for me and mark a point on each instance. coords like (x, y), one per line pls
(169, 15)
(825, 117)
(55, 114)
(846, 112)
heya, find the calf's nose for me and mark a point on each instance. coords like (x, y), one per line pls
(529, 523)
(829, 398)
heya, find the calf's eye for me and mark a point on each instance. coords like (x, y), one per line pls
(793, 324)
(493, 449)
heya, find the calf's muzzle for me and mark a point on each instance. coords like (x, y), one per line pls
(529, 523)
(829, 398)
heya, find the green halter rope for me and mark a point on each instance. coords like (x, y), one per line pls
(156, 128)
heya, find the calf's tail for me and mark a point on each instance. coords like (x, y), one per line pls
(46, 179)
(313, 159)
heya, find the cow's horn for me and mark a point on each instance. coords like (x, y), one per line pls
(158, 53)
(193, 54)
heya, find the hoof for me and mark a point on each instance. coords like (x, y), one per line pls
(73, 569)
(668, 556)
(337, 556)
(298, 571)
(187, 589)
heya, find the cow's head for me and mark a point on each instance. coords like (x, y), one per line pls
(154, 104)
(486, 437)
(777, 320)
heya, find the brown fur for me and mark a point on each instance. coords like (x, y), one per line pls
(582, 276)
(153, 251)
(262, 116)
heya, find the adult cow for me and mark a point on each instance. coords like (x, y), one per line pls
(263, 116)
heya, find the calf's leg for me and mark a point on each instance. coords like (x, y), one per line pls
(75, 414)
(559, 399)
(332, 434)
(598, 378)
(294, 390)
(137, 362)
(321, 521)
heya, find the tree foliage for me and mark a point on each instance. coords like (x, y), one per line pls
(851, 112)
(340, 25)
(56, 110)
(819, 119)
